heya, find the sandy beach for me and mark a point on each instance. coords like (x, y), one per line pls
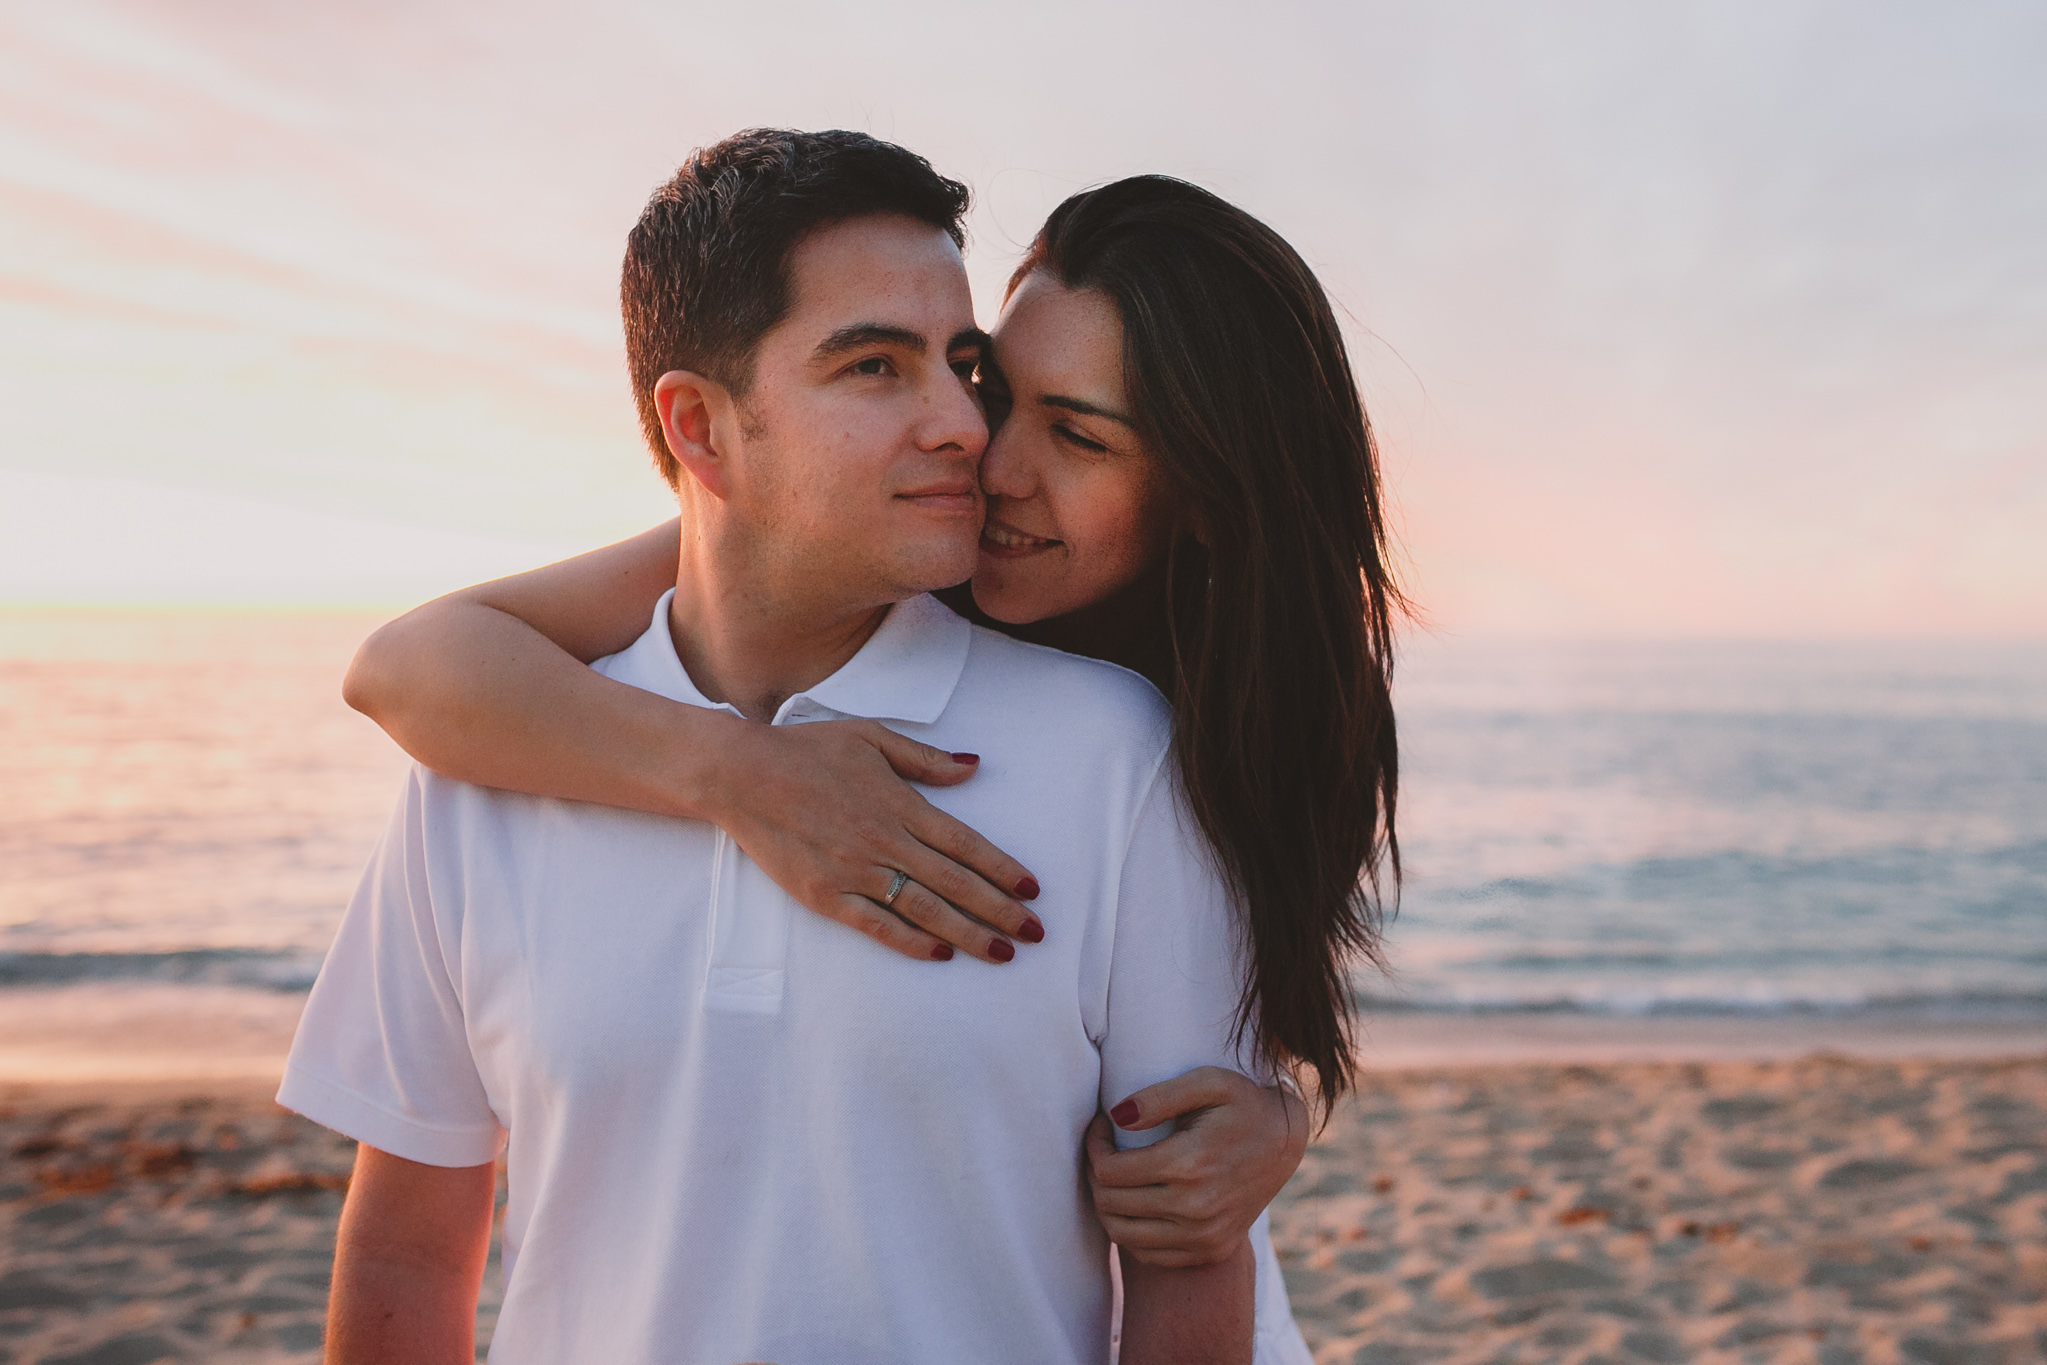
(1844, 1210)
(189, 1220)
(1840, 1210)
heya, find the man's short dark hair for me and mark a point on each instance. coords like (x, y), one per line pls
(707, 266)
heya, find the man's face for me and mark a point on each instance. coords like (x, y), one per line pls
(862, 438)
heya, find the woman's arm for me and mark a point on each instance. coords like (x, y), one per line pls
(1189, 1199)
(490, 685)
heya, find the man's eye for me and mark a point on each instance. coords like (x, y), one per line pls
(872, 365)
(965, 370)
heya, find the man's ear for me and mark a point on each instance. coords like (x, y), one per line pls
(701, 423)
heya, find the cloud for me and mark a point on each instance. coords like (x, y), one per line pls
(94, 541)
(1674, 320)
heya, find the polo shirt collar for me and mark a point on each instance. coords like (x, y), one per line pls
(906, 671)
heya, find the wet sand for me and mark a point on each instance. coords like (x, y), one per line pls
(1844, 1211)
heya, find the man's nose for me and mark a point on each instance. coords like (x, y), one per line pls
(953, 421)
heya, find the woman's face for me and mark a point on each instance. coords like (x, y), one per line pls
(1078, 508)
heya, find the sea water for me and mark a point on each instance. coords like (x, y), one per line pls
(183, 796)
(185, 801)
(1722, 827)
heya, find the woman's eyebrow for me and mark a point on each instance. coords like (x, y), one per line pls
(972, 338)
(1082, 406)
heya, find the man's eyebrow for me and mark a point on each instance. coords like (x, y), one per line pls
(859, 334)
(1081, 405)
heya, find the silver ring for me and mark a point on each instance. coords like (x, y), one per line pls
(895, 888)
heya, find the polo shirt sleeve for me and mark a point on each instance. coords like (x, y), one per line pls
(382, 1054)
(1176, 968)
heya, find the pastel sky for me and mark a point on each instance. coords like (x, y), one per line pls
(1675, 320)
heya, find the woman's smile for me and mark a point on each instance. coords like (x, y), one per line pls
(1003, 541)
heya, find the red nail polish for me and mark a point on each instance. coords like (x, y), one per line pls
(1032, 932)
(1002, 950)
(942, 953)
(1027, 889)
(1124, 1114)
(969, 759)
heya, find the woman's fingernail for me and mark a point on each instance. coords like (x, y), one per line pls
(968, 759)
(1002, 950)
(1031, 932)
(1124, 1114)
(942, 953)
(1027, 889)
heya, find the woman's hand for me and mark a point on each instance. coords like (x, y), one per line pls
(827, 811)
(1189, 1199)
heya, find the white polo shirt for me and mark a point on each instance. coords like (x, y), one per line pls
(741, 1132)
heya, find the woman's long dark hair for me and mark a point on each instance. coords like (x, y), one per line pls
(1279, 607)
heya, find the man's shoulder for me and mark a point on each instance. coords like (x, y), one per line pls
(1044, 687)
(452, 809)
(452, 813)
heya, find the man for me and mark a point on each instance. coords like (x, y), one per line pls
(737, 1132)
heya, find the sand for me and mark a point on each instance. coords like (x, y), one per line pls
(144, 1222)
(1838, 1210)
(1844, 1211)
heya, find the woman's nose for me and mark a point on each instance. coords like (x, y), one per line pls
(1006, 470)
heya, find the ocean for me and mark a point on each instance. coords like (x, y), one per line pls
(1604, 828)
(1698, 827)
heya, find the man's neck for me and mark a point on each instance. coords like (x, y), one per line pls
(748, 642)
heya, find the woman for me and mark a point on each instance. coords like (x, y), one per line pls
(1182, 481)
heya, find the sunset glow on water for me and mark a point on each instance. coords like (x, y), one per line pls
(186, 806)
(182, 783)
